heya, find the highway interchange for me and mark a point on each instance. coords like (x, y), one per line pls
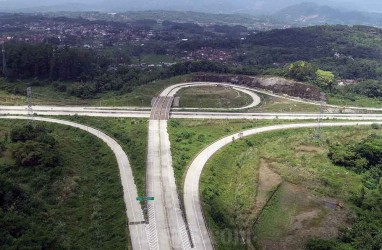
(168, 224)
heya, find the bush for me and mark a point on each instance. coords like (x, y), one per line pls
(375, 126)
(61, 87)
(319, 244)
(33, 154)
(249, 143)
(33, 146)
(363, 157)
(29, 132)
(358, 157)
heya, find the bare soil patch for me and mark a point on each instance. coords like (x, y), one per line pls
(308, 216)
(274, 84)
(308, 148)
(268, 182)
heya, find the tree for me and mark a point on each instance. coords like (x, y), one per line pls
(300, 70)
(324, 78)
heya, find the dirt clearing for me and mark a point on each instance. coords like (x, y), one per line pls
(268, 183)
(294, 215)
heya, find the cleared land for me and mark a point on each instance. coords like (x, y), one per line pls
(213, 97)
(78, 204)
(305, 204)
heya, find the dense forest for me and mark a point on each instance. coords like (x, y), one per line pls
(84, 73)
(350, 52)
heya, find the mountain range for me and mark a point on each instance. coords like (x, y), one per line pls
(313, 14)
(264, 7)
(294, 12)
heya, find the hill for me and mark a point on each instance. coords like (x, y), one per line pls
(309, 13)
(351, 52)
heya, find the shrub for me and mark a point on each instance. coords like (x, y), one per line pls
(33, 146)
(32, 154)
(375, 126)
(321, 244)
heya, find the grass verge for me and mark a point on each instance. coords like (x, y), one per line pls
(131, 134)
(356, 101)
(189, 137)
(277, 104)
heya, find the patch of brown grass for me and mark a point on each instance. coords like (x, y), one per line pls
(310, 216)
(268, 182)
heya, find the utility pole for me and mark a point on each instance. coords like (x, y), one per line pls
(4, 60)
(30, 109)
(319, 120)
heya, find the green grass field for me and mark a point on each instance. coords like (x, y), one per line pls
(84, 208)
(358, 101)
(229, 187)
(131, 134)
(212, 97)
(276, 104)
(189, 137)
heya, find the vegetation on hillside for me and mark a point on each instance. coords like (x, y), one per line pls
(363, 158)
(349, 52)
(59, 189)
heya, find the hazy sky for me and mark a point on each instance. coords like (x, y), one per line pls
(203, 5)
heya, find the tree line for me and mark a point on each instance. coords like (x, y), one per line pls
(44, 61)
(85, 73)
